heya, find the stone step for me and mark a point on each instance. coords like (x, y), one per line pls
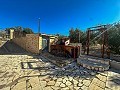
(93, 63)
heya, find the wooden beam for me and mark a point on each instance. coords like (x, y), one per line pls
(88, 41)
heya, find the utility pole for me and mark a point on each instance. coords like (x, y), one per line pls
(39, 26)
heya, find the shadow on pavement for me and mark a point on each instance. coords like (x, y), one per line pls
(10, 48)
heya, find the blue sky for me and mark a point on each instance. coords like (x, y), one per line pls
(58, 16)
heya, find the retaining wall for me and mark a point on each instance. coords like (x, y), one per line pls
(31, 42)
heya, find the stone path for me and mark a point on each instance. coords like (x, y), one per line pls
(23, 72)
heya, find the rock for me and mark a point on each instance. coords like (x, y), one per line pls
(76, 88)
(92, 73)
(43, 77)
(80, 80)
(51, 83)
(70, 78)
(59, 79)
(68, 83)
(47, 79)
(80, 84)
(43, 73)
(6, 88)
(64, 80)
(66, 88)
(55, 78)
(47, 88)
(86, 82)
(55, 88)
(57, 84)
(20, 86)
(71, 87)
(43, 83)
(86, 88)
(33, 81)
(62, 85)
(75, 82)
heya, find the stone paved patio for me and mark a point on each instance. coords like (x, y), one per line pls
(22, 72)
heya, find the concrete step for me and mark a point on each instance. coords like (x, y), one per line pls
(93, 63)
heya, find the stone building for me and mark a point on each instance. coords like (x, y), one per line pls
(34, 43)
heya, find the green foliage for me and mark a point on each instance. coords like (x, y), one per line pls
(20, 29)
(27, 31)
(77, 34)
(94, 41)
(60, 36)
(114, 39)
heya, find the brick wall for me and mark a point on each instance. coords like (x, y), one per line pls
(31, 43)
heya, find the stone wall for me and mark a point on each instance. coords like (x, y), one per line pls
(11, 33)
(115, 64)
(40, 43)
(51, 40)
(20, 41)
(31, 43)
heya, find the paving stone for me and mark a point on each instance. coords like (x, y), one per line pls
(57, 83)
(102, 78)
(86, 82)
(76, 88)
(104, 73)
(59, 79)
(20, 86)
(62, 85)
(98, 83)
(51, 83)
(43, 73)
(75, 82)
(64, 80)
(43, 77)
(47, 79)
(80, 80)
(68, 83)
(37, 87)
(22, 79)
(34, 81)
(86, 88)
(92, 73)
(112, 85)
(103, 81)
(55, 88)
(43, 83)
(55, 78)
(6, 88)
(94, 87)
(108, 89)
(80, 84)
(66, 88)
(70, 78)
(71, 87)
(2, 86)
(48, 88)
